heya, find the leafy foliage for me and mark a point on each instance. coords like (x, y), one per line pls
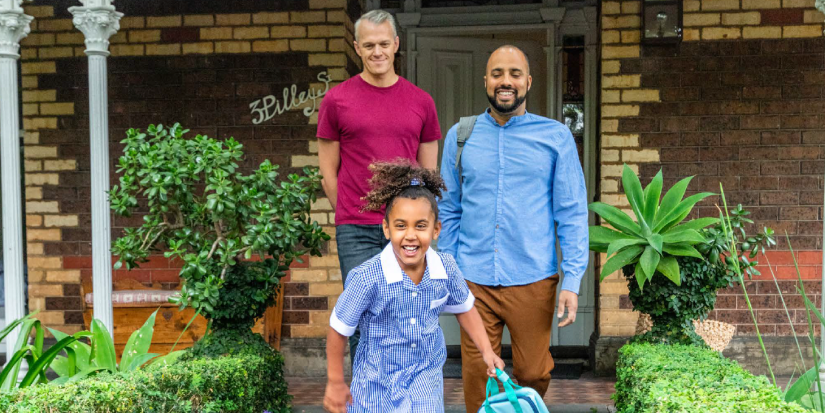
(718, 244)
(37, 358)
(200, 209)
(689, 379)
(215, 385)
(651, 244)
(100, 356)
(673, 307)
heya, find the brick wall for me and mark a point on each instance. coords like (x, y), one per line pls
(184, 62)
(738, 102)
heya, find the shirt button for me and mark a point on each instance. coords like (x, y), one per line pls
(415, 295)
(496, 250)
(412, 321)
(412, 345)
(496, 226)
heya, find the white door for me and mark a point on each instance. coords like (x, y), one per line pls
(452, 70)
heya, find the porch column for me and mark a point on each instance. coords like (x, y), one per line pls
(14, 25)
(98, 21)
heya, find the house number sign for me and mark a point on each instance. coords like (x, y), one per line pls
(267, 108)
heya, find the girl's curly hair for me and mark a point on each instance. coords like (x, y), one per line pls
(402, 178)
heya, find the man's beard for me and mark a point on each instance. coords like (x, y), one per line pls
(504, 109)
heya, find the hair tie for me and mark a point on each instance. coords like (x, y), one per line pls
(415, 182)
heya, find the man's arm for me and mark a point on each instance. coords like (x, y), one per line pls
(449, 205)
(428, 154)
(329, 160)
(570, 215)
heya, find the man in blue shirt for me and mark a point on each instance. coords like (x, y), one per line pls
(521, 184)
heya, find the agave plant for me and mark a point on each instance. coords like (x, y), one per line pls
(653, 241)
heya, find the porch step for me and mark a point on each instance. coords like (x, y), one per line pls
(566, 368)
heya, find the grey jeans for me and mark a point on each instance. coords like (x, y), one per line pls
(357, 244)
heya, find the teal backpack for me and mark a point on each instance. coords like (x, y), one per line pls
(515, 399)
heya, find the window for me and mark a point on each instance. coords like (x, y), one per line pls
(573, 88)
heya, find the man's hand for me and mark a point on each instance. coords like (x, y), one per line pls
(493, 361)
(569, 300)
(337, 397)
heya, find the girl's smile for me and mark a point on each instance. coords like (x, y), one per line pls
(411, 228)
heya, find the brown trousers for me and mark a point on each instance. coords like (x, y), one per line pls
(527, 311)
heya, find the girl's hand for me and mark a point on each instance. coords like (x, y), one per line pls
(492, 361)
(337, 397)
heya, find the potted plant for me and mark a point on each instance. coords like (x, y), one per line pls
(199, 208)
(658, 256)
(674, 266)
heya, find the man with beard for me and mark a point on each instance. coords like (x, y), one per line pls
(517, 185)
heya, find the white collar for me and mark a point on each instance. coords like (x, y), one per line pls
(392, 270)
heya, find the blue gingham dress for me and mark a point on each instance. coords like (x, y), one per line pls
(398, 364)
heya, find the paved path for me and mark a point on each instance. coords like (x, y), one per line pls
(586, 395)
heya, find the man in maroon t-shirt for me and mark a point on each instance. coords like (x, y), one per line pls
(374, 116)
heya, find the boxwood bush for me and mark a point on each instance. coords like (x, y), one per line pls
(238, 383)
(679, 378)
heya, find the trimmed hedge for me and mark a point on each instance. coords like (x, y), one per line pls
(678, 378)
(243, 383)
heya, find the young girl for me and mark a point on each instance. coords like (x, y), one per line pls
(395, 299)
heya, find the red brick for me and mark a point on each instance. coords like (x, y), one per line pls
(781, 17)
(810, 257)
(165, 275)
(137, 275)
(779, 257)
(180, 34)
(77, 262)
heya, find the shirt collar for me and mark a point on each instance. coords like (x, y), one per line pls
(512, 121)
(392, 271)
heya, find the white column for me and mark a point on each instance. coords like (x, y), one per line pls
(14, 25)
(98, 21)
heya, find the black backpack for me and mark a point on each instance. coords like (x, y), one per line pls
(465, 129)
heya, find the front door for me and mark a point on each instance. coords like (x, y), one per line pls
(451, 69)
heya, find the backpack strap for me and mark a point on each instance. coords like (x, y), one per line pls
(465, 129)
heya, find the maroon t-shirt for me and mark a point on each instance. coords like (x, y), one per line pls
(373, 124)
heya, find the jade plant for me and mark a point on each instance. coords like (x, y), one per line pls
(235, 234)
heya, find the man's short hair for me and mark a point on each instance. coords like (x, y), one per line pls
(376, 17)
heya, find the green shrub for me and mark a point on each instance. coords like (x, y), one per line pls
(677, 378)
(244, 383)
(674, 307)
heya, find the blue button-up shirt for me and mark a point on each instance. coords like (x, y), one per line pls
(521, 180)
(399, 361)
